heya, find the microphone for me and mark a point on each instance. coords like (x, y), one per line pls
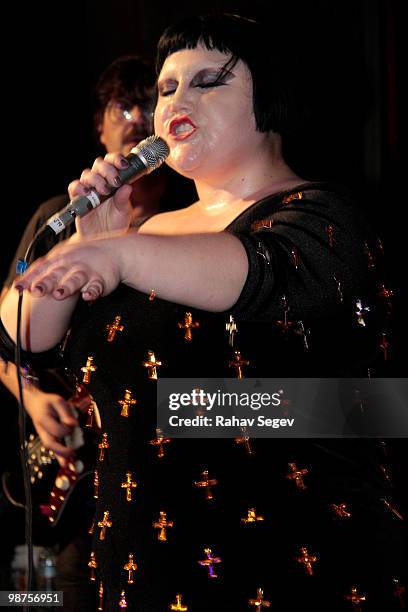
(148, 155)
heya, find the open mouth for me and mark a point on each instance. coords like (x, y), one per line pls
(181, 128)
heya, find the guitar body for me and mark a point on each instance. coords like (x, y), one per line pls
(54, 487)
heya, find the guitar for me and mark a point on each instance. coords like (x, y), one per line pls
(52, 483)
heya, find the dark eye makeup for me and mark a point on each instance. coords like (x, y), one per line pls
(205, 79)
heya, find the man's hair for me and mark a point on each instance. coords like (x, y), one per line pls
(129, 79)
(274, 103)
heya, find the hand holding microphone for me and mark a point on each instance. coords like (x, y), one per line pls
(143, 159)
(91, 264)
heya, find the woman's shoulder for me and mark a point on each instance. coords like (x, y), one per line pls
(318, 191)
(303, 198)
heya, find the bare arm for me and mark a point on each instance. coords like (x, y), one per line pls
(206, 271)
(44, 321)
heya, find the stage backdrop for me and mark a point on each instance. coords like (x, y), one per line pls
(351, 63)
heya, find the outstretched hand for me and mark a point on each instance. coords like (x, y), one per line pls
(114, 213)
(88, 265)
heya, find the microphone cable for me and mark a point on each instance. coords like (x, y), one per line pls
(22, 265)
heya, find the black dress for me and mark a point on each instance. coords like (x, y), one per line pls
(310, 260)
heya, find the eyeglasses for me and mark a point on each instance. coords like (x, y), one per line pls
(119, 112)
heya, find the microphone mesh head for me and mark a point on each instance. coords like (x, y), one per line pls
(153, 150)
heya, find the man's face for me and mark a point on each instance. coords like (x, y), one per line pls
(124, 126)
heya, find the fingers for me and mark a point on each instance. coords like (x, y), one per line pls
(90, 286)
(92, 290)
(70, 283)
(59, 280)
(49, 422)
(65, 413)
(41, 278)
(55, 421)
(47, 282)
(90, 179)
(76, 188)
(91, 266)
(108, 168)
(102, 177)
(53, 443)
(117, 160)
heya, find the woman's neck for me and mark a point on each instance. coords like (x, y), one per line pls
(245, 187)
(261, 172)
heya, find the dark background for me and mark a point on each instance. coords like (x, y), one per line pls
(350, 61)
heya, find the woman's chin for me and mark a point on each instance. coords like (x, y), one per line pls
(183, 163)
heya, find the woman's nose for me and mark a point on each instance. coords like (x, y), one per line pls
(181, 100)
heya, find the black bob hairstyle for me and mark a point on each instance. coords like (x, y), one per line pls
(244, 39)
